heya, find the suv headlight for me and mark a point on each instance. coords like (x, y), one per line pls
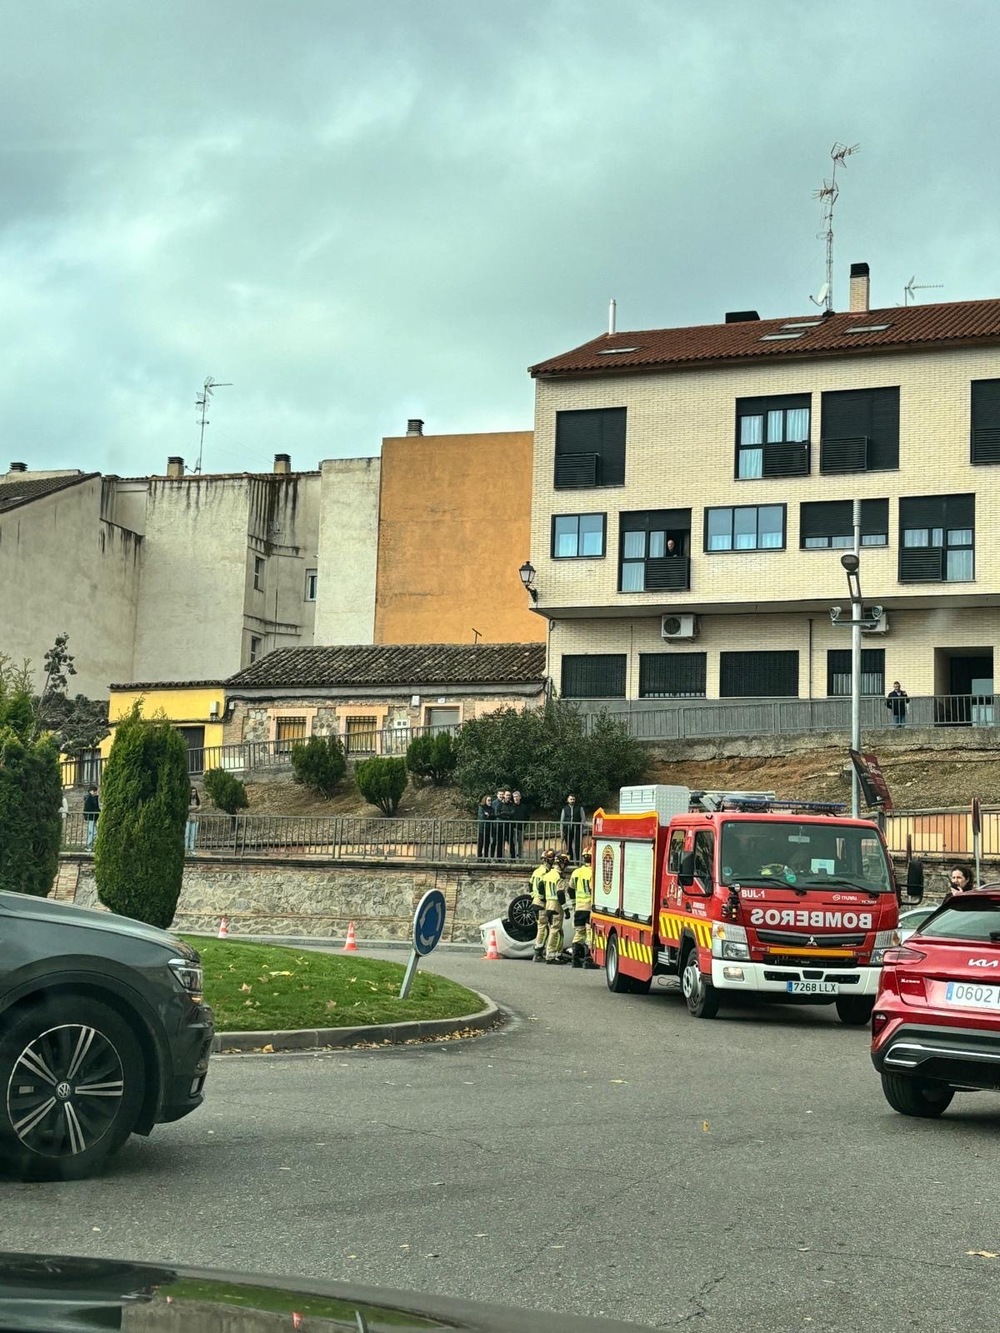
(885, 939)
(189, 976)
(729, 941)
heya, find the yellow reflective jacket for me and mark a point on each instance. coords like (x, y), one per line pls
(581, 888)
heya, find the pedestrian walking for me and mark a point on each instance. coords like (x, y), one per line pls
(961, 879)
(191, 830)
(581, 892)
(537, 889)
(484, 827)
(518, 818)
(571, 825)
(91, 812)
(556, 883)
(897, 701)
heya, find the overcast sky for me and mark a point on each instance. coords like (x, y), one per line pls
(360, 213)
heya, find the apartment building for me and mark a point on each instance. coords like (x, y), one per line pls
(694, 489)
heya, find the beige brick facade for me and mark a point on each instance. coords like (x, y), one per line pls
(680, 453)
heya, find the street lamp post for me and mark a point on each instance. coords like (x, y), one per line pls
(852, 563)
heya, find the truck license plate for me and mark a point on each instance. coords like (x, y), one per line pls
(811, 987)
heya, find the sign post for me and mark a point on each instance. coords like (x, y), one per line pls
(428, 927)
(874, 787)
(977, 828)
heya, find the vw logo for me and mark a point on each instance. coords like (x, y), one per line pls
(64, 1091)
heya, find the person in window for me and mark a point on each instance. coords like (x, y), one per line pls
(671, 547)
(571, 825)
(897, 701)
(961, 879)
(91, 811)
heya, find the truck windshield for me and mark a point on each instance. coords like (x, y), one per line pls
(803, 855)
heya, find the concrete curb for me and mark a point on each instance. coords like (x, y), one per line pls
(393, 1034)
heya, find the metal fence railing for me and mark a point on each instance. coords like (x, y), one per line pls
(942, 833)
(352, 837)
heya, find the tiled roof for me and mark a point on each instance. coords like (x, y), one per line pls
(168, 685)
(397, 664)
(15, 493)
(913, 327)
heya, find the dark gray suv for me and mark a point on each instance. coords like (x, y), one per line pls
(103, 1033)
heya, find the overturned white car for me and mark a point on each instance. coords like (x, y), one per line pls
(516, 931)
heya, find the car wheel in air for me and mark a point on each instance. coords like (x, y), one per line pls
(855, 1010)
(700, 995)
(913, 1096)
(72, 1083)
(522, 922)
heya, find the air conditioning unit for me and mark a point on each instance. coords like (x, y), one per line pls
(213, 709)
(878, 626)
(679, 627)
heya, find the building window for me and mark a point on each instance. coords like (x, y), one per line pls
(653, 550)
(838, 672)
(758, 675)
(593, 676)
(577, 535)
(672, 675)
(830, 523)
(860, 430)
(985, 421)
(745, 528)
(359, 734)
(289, 731)
(256, 647)
(590, 448)
(937, 539)
(258, 573)
(772, 437)
(311, 579)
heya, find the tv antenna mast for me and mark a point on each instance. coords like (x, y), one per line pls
(828, 193)
(202, 402)
(914, 286)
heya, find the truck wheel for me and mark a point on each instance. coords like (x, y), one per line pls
(700, 995)
(855, 1010)
(72, 1081)
(613, 975)
(913, 1096)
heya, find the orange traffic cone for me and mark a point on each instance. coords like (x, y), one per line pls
(350, 944)
(492, 954)
(224, 929)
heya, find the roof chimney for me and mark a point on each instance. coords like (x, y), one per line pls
(175, 466)
(414, 426)
(18, 467)
(859, 288)
(741, 316)
(282, 462)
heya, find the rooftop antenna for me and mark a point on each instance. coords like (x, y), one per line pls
(478, 633)
(202, 402)
(914, 286)
(829, 191)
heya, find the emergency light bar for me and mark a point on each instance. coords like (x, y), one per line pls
(758, 805)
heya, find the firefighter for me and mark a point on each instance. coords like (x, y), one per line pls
(556, 884)
(582, 893)
(537, 890)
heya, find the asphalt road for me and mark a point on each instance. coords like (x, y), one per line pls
(601, 1154)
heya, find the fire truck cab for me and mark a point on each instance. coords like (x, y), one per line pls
(741, 893)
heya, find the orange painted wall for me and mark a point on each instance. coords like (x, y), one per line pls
(454, 527)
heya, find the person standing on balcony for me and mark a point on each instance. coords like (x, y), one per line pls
(496, 836)
(191, 831)
(504, 813)
(672, 547)
(91, 811)
(897, 702)
(571, 825)
(518, 816)
(484, 827)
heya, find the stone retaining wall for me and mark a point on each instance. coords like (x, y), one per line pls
(296, 897)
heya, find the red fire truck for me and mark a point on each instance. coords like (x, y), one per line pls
(742, 893)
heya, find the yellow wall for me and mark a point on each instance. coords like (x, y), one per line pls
(184, 706)
(454, 527)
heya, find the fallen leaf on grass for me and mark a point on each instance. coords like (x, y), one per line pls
(246, 989)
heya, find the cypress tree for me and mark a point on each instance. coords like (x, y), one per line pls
(30, 793)
(139, 852)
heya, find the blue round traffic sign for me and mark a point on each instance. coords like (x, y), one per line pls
(428, 921)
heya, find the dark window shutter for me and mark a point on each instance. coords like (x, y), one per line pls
(860, 430)
(593, 676)
(874, 517)
(838, 664)
(595, 434)
(827, 518)
(672, 675)
(669, 573)
(657, 520)
(985, 421)
(576, 470)
(921, 564)
(844, 453)
(758, 675)
(937, 511)
(959, 511)
(883, 452)
(786, 460)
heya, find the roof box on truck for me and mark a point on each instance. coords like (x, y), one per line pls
(666, 801)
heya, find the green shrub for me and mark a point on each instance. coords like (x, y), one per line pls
(382, 782)
(432, 758)
(225, 792)
(319, 764)
(139, 852)
(30, 825)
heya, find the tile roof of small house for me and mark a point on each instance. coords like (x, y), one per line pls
(396, 664)
(896, 328)
(15, 493)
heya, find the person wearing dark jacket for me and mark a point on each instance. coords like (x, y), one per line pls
(91, 810)
(897, 701)
(571, 825)
(518, 818)
(484, 828)
(504, 811)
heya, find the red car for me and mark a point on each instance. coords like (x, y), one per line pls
(936, 1021)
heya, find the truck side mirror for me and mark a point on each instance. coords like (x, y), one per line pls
(915, 881)
(685, 870)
